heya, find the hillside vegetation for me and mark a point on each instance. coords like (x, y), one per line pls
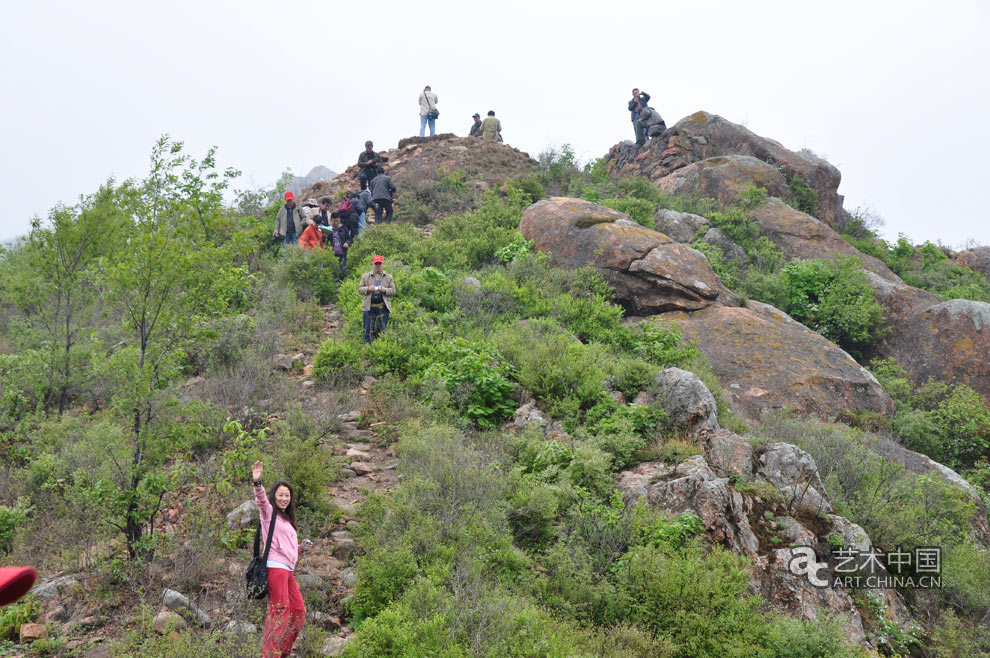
(139, 335)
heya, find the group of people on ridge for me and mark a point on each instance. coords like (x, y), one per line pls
(490, 128)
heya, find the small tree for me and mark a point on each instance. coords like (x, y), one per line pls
(168, 282)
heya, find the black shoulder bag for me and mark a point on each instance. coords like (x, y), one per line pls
(257, 571)
(434, 112)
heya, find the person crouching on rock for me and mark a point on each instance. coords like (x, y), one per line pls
(310, 239)
(377, 289)
(651, 125)
(286, 609)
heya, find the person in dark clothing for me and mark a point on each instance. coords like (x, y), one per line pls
(366, 203)
(322, 217)
(369, 161)
(339, 238)
(650, 124)
(636, 105)
(476, 126)
(382, 189)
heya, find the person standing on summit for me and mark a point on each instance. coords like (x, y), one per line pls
(428, 111)
(636, 105)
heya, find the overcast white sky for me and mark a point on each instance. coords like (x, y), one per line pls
(896, 94)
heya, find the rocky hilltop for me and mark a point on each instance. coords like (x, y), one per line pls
(705, 155)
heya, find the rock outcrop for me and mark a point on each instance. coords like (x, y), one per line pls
(701, 136)
(765, 360)
(976, 259)
(723, 178)
(649, 272)
(417, 164)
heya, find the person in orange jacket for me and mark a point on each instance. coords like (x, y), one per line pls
(310, 238)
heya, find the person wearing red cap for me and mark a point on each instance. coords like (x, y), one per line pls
(289, 221)
(377, 288)
(15, 583)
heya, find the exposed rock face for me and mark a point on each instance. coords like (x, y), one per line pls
(681, 226)
(686, 400)
(702, 136)
(649, 272)
(723, 178)
(802, 236)
(692, 487)
(731, 251)
(244, 516)
(976, 259)
(949, 341)
(795, 474)
(767, 360)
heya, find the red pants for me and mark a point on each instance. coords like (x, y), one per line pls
(286, 614)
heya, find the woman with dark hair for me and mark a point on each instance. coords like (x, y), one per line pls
(286, 610)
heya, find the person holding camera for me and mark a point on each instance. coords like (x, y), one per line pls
(369, 161)
(289, 221)
(377, 288)
(428, 111)
(286, 609)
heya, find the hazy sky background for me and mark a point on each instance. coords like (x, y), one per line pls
(895, 94)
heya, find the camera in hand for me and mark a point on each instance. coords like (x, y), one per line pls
(377, 297)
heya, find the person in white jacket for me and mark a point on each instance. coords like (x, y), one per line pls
(428, 111)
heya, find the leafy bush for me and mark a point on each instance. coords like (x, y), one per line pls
(640, 210)
(805, 198)
(311, 274)
(25, 611)
(337, 360)
(833, 298)
(476, 379)
(11, 518)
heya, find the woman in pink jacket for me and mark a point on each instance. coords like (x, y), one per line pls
(286, 610)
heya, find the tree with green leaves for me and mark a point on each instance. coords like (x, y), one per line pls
(169, 281)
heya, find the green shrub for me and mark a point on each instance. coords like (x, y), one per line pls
(12, 518)
(337, 360)
(805, 198)
(527, 185)
(752, 196)
(516, 248)
(384, 575)
(312, 274)
(564, 374)
(833, 298)
(640, 210)
(532, 510)
(476, 379)
(25, 611)
(632, 375)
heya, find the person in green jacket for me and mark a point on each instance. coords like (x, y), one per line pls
(491, 128)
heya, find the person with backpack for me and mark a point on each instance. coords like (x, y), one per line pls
(382, 189)
(339, 238)
(636, 105)
(369, 161)
(289, 221)
(362, 201)
(650, 124)
(428, 111)
(491, 128)
(376, 288)
(286, 609)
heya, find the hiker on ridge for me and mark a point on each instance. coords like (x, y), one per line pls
(650, 124)
(491, 128)
(376, 289)
(476, 126)
(369, 161)
(636, 105)
(428, 111)
(289, 221)
(382, 189)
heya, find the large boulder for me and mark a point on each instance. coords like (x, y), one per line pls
(723, 178)
(649, 272)
(686, 400)
(800, 235)
(948, 341)
(681, 226)
(766, 360)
